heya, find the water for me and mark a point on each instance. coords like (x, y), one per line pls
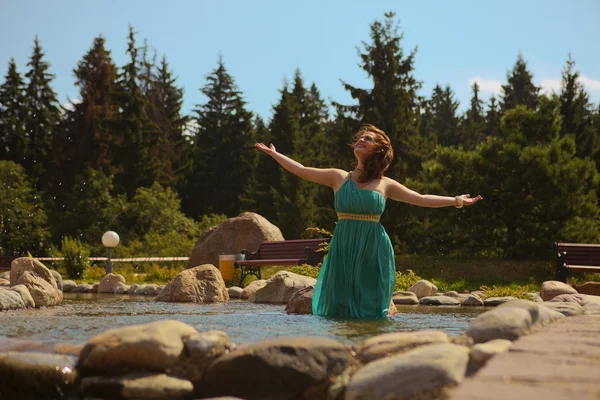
(82, 316)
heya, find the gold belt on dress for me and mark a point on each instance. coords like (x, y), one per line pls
(359, 217)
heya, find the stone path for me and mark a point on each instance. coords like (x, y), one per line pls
(557, 361)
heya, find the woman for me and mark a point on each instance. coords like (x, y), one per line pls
(358, 275)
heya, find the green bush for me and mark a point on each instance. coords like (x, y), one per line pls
(405, 280)
(75, 255)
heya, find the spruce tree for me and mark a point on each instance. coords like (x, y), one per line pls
(87, 137)
(392, 103)
(520, 89)
(473, 126)
(132, 157)
(222, 149)
(165, 100)
(492, 119)
(42, 115)
(445, 121)
(13, 141)
(576, 111)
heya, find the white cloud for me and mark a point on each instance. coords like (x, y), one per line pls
(486, 85)
(550, 85)
(589, 83)
(70, 105)
(553, 85)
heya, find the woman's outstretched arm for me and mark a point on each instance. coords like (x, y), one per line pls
(331, 177)
(399, 192)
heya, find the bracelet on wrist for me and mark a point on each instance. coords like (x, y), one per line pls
(459, 201)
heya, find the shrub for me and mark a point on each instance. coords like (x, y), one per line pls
(75, 255)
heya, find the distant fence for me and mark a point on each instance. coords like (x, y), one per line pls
(131, 259)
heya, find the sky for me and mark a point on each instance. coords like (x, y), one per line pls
(263, 42)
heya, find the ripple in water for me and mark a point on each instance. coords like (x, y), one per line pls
(82, 316)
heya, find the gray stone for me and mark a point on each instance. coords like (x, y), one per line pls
(25, 295)
(280, 287)
(567, 309)
(58, 278)
(202, 284)
(37, 376)
(423, 288)
(139, 386)
(482, 352)
(109, 283)
(500, 323)
(439, 301)
(496, 301)
(10, 300)
(252, 287)
(156, 346)
(473, 300)
(284, 368)
(121, 288)
(419, 373)
(301, 301)
(405, 298)
(150, 290)
(398, 342)
(83, 288)
(44, 294)
(539, 315)
(234, 292)
(69, 286)
(551, 289)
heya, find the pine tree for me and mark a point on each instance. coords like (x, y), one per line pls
(223, 149)
(492, 119)
(520, 89)
(13, 141)
(165, 100)
(132, 157)
(42, 115)
(445, 121)
(473, 125)
(392, 103)
(576, 111)
(87, 138)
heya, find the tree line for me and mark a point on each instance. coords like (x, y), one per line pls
(126, 157)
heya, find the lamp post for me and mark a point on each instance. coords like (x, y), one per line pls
(110, 240)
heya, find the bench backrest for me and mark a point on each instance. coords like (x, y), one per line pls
(288, 248)
(579, 253)
(6, 261)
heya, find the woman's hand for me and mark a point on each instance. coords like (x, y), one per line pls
(267, 150)
(468, 201)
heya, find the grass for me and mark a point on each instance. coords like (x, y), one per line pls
(154, 273)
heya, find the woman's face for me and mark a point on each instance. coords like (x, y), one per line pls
(364, 144)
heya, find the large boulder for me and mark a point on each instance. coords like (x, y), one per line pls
(301, 301)
(156, 346)
(28, 375)
(280, 287)
(25, 295)
(44, 294)
(10, 300)
(389, 344)
(285, 368)
(109, 283)
(58, 278)
(202, 284)
(551, 289)
(22, 264)
(251, 288)
(500, 323)
(423, 288)
(417, 374)
(246, 231)
(591, 288)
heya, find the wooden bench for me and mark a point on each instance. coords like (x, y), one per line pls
(284, 252)
(576, 257)
(5, 262)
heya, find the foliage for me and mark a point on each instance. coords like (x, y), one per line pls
(76, 254)
(404, 280)
(22, 216)
(306, 270)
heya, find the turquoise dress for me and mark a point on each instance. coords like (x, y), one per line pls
(358, 276)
